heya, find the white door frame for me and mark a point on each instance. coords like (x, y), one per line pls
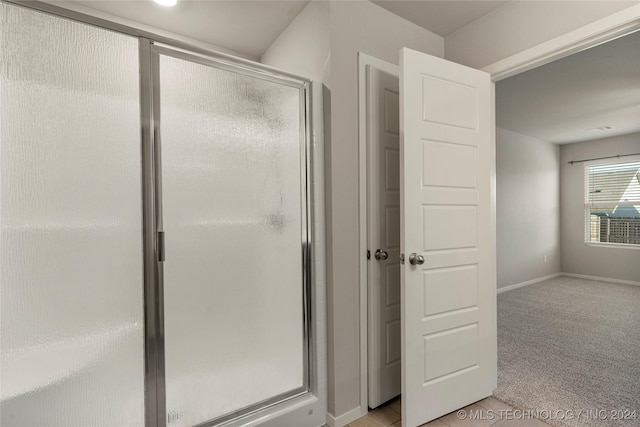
(606, 29)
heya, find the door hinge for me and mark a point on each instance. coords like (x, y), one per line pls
(368, 254)
(161, 253)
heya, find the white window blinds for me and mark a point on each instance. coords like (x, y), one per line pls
(612, 202)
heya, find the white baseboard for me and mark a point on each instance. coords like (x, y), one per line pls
(602, 279)
(346, 418)
(579, 276)
(528, 282)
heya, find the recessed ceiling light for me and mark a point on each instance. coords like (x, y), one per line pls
(601, 128)
(167, 3)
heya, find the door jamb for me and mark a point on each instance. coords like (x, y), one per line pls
(601, 31)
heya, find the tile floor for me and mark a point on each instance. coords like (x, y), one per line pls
(487, 412)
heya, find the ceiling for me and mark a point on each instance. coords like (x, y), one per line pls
(246, 27)
(440, 17)
(559, 102)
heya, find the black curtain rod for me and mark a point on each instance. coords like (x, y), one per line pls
(617, 156)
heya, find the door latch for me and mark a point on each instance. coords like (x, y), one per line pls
(161, 253)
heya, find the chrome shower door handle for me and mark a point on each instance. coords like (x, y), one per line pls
(415, 259)
(381, 255)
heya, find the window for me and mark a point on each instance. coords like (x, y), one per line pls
(612, 202)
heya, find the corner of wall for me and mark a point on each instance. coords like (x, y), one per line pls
(303, 47)
(527, 209)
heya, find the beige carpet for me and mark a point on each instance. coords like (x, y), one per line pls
(570, 344)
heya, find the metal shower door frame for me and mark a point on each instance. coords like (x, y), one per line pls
(150, 47)
(150, 53)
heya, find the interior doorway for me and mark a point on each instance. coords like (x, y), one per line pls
(381, 344)
(432, 318)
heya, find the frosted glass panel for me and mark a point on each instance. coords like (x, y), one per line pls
(232, 217)
(71, 252)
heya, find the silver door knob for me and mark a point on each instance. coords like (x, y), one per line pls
(381, 255)
(416, 259)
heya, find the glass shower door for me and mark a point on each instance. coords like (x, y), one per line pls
(235, 223)
(71, 335)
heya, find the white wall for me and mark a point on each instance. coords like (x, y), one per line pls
(303, 47)
(578, 258)
(519, 25)
(527, 207)
(354, 26)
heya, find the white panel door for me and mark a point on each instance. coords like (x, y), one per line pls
(383, 156)
(448, 291)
